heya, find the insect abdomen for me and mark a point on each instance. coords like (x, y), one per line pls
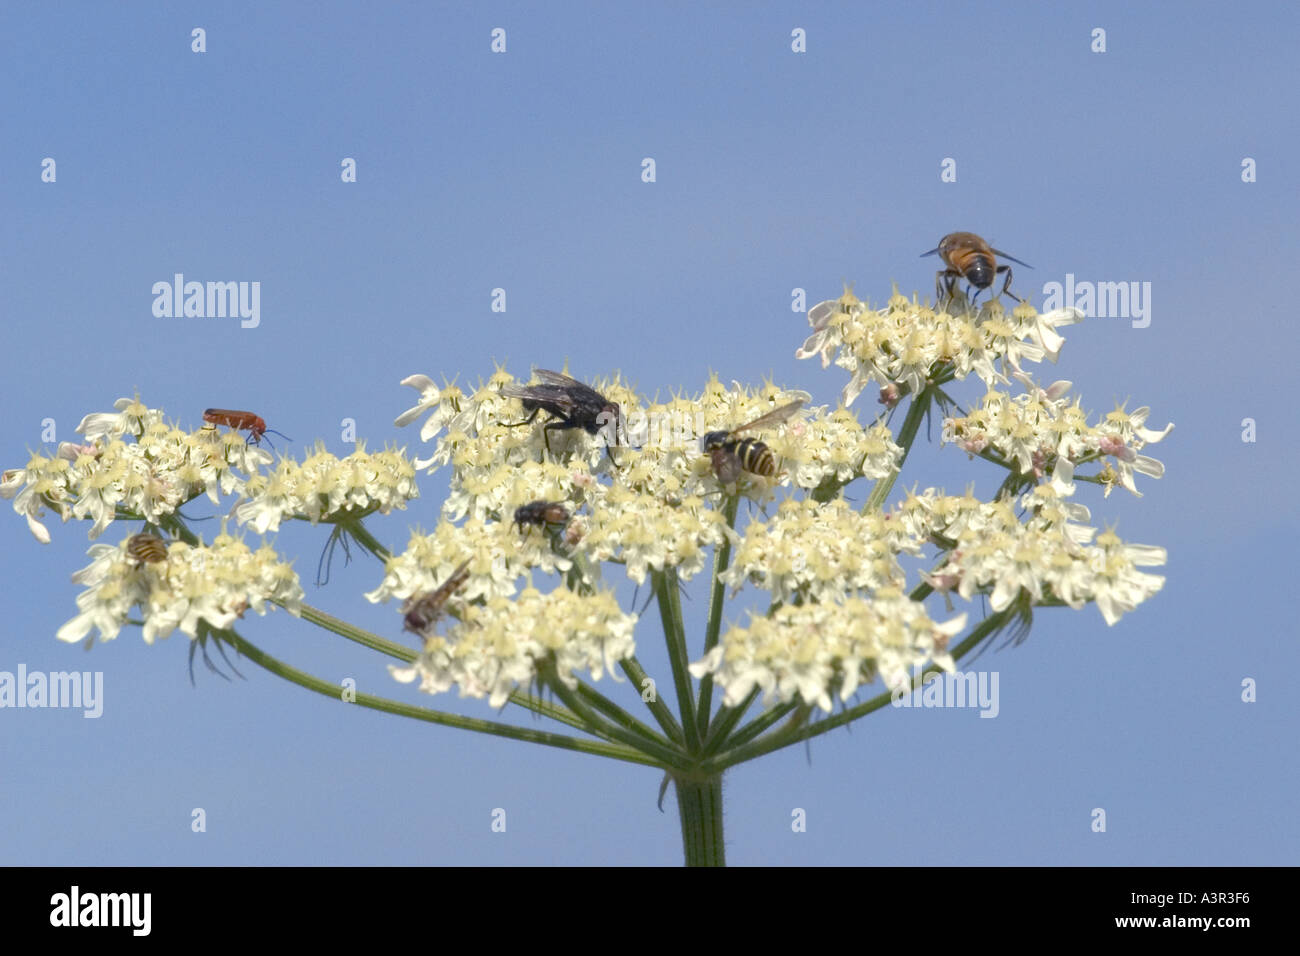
(147, 548)
(979, 270)
(755, 457)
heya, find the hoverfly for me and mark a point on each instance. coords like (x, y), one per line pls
(731, 454)
(423, 611)
(146, 549)
(969, 257)
(239, 421)
(543, 514)
(570, 404)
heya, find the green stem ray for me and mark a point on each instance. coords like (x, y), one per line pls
(492, 728)
(906, 437)
(670, 610)
(634, 672)
(721, 559)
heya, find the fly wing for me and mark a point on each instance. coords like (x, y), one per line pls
(581, 392)
(555, 378)
(776, 416)
(999, 252)
(452, 584)
(551, 397)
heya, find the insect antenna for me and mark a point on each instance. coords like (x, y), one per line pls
(256, 437)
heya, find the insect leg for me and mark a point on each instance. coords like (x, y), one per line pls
(526, 421)
(1007, 283)
(559, 425)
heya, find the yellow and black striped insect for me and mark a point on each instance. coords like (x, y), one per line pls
(422, 611)
(731, 454)
(146, 549)
(542, 514)
(969, 257)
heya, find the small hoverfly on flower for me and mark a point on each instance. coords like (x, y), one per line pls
(422, 611)
(146, 549)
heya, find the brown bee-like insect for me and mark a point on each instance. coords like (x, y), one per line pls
(543, 514)
(570, 404)
(969, 257)
(146, 549)
(422, 611)
(731, 454)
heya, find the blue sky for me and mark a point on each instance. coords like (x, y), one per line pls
(775, 171)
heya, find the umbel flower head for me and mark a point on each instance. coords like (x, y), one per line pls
(901, 344)
(748, 480)
(658, 510)
(499, 645)
(133, 463)
(809, 653)
(734, 489)
(214, 583)
(325, 487)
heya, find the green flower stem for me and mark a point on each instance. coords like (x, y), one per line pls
(332, 691)
(661, 755)
(699, 805)
(906, 436)
(544, 708)
(670, 610)
(618, 715)
(758, 726)
(725, 722)
(791, 735)
(721, 559)
(353, 633)
(634, 672)
(172, 523)
(356, 527)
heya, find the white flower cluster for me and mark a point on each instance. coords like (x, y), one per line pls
(902, 343)
(808, 653)
(482, 433)
(148, 477)
(1047, 556)
(325, 488)
(493, 455)
(647, 533)
(1041, 428)
(215, 583)
(498, 554)
(497, 645)
(820, 551)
